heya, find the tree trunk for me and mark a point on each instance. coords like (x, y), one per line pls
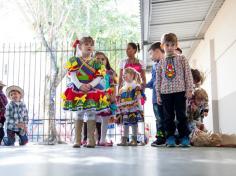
(53, 136)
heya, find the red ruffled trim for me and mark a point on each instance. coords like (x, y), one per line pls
(92, 95)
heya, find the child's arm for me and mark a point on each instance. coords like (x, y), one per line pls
(8, 113)
(143, 76)
(3, 101)
(95, 82)
(25, 118)
(120, 79)
(151, 82)
(188, 78)
(158, 82)
(75, 80)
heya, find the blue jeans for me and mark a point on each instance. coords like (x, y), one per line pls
(158, 112)
(10, 140)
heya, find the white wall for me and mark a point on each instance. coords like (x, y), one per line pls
(219, 45)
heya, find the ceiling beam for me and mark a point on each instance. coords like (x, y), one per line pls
(177, 22)
(166, 1)
(180, 40)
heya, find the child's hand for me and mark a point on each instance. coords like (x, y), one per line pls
(159, 100)
(85, 88)
(118, 99)
(26, 129)
(21, 125)
(193, 107)
(143, 86)
(188, 94)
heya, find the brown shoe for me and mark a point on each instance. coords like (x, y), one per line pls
(123, 141)
(133, 141)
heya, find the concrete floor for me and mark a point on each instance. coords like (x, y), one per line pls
(63, 160)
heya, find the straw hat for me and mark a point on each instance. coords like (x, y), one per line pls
(17, 88)
(1, 84)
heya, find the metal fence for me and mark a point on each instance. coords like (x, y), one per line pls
(28, 65)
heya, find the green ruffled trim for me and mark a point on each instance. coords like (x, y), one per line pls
(89, 104)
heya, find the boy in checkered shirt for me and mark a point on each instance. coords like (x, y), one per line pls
(16, 116)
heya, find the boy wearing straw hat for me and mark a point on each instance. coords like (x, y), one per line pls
(16, 116)
(3, 103)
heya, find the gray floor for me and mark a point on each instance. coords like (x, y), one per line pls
(63, 160)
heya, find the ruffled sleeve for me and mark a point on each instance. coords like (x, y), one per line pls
(72, 64)
(100, 69)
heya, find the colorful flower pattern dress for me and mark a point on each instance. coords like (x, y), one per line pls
(130, 111)
(97, 98)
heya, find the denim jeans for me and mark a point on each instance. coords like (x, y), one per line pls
(10, 140)
(158, 112)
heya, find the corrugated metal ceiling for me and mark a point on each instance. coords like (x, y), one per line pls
(189, 19)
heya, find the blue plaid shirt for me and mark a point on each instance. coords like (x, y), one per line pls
(15, 114)
(152, 83)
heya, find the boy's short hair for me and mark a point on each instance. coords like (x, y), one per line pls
(170, 37)
(156, 45)
(197, 77)
(86, 39)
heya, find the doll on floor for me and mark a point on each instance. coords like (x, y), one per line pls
(200, 138)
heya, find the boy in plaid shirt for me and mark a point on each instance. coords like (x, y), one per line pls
(3, 103)
(16, 116)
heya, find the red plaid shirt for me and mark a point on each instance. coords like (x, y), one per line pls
(3, 103)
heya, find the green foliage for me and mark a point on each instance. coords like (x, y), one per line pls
(66, 20)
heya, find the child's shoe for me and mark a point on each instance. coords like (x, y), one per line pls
(133, 141)
(160, 139)
(91, 125)
(159, 142)
(170, 142)
(185, 142)
(84, 142)
(105, 144)
(123, 141)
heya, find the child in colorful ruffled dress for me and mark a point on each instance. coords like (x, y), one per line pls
(130, 110)
(85, 95)
(110, 82)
